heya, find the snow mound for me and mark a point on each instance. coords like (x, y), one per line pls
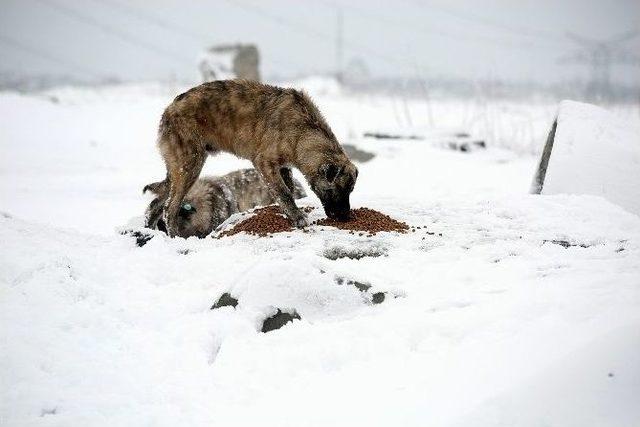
(594, 152)
(481, 301)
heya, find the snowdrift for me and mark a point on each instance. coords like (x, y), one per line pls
(592, 151)
(502, 309)
(484, 298)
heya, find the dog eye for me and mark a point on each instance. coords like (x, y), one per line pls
(330, 172)
(186, 210)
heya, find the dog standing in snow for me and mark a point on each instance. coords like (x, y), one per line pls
(273, 127)
(211, 200)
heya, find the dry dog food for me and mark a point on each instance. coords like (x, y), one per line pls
(367, 220)
(269, 220)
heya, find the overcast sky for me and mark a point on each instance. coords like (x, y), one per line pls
(138, 40)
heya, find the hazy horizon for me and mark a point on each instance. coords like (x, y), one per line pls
(136, 40)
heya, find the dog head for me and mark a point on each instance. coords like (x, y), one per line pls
(333, 184)
(186, 220)
(194, 216)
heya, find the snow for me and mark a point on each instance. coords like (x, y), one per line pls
(508, 309)
(612, 398)
(595, 152)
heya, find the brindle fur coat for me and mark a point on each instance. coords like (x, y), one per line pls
(273, 127)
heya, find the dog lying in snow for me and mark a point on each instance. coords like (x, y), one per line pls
(211, 200)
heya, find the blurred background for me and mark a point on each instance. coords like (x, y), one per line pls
(585, 50)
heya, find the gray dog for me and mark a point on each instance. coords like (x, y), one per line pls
(211, 200)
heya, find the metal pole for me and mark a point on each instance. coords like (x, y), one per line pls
(339, 46)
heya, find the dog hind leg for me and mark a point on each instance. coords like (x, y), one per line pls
(183, 173)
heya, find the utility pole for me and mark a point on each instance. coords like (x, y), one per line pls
(339, 45)
(599, 56)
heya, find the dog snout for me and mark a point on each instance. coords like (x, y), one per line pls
(339, 212)
(343, 216)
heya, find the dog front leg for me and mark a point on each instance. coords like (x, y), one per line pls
(287, 177)
(270, 173)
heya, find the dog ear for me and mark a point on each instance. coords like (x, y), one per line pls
(329, 171)
(156, 188)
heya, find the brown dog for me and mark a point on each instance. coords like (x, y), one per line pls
(273, 127)
(211, 200)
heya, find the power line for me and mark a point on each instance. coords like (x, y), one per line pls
(264, 13)
(590, 42)
(319, 35)
(339, 46)
(173, 28)
(489, 22)
(154, 20)
(363, 13)
(600, 55)
(112, 31)
(65, 63)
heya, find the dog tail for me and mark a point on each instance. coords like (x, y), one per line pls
(156, 188)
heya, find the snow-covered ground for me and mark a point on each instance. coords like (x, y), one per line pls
(504, 308)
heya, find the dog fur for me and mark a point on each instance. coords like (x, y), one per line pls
(211, 200)
(273, 127)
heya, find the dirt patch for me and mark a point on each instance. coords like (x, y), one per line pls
(566, 244)
(278, 320)
(368, 221)
(141, 237)
(376, 298)
(225, 300)
(358, 252)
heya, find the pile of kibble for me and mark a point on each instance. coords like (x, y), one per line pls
(269, 220)
(265, 221)
(368, 221)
